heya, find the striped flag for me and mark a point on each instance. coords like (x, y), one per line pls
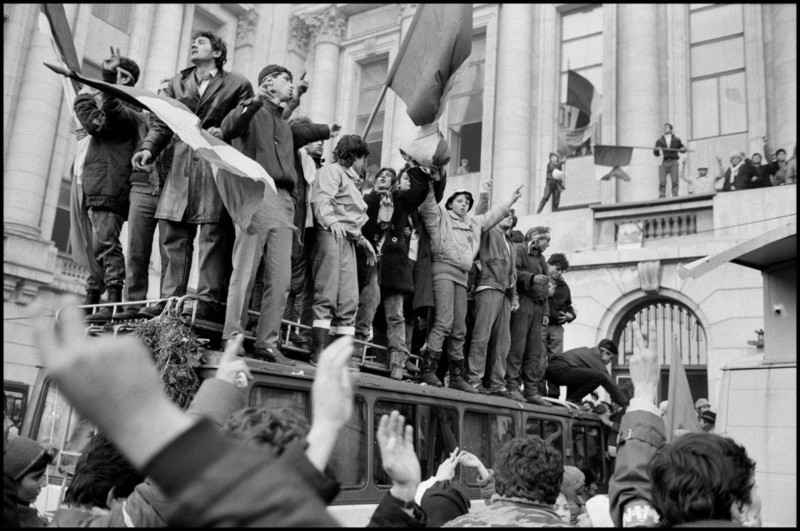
(582, 95)
(681, 414)
(439, 40)
(579, 114)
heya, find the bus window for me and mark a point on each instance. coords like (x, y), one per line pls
(534, 427)
(384, 407)
(484, 434)
(349, 458)
(437, 436)
(17, 394)
(554, 435)
(277, 398)
(588, 455)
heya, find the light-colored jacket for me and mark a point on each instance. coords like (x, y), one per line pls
(337, 200)
(456, 241)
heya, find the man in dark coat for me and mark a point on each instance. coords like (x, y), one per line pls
(583, 369)
(114, 130)
(190, 197)
(668, 146)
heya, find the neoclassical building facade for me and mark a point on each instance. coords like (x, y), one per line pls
(724, 75)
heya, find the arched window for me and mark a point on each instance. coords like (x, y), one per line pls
(671, 318)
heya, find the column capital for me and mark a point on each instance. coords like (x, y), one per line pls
(299, 35)
(246, 28)
(327, 26)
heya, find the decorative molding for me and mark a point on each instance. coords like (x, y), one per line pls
(299, 35)
(326, 26)
(650, 276)
(246, 28)
(19, 291)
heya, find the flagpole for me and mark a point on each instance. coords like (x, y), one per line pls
(393, 70)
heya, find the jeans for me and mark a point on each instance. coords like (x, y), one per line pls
(215, 244)
(581, 381)
(106, 227)
(553, 345)
(668, 167)
(550, 187)
(526, 362)
(449, 323)
(141, 228)
(275, 245)
(335, 283)
(368, 301)
(491, 331)
(395, 322)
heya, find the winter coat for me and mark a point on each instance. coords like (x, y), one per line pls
(497, 257)
(303, 134)
(561, 301)
(115, 132)
(530, 263)
(337, 200)
(455, 241)
(675, 144)
(423, 272)
(191, 189)
(510, 512)
(395, 270)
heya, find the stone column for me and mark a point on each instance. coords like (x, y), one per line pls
(784, 70)
(141, 28)
(512, 120)
(162, 60)
(245, 39)
(403, 126)
(297, 48)
(327, 29)
(638, 119)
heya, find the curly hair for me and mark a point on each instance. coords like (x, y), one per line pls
(349, 148)
(217, 44)
(99, 469)
(559, 260)
(698, 476)
(529, 468)
(260, 426)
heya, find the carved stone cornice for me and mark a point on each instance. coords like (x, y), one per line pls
(328, 25)
(246, 28)
(299, 35)
(650, 276)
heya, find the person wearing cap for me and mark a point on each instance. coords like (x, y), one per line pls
(526, 358)
(114, 127)
(708, 420)
(190, 201)
(583, 369)
(455, 241)
(702, 404)
(701, 184)
(667, 147)
(257, 128)
(737, 176)
(554, 182)
(25, 462)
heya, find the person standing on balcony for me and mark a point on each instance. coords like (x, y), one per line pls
(554, 183)
(667, 147)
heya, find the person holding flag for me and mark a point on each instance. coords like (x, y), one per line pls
(667, 147)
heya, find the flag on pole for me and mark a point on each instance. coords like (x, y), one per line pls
(242, 182)
(579, 115)
(614, 157)
(582, 95)
(681, 414)
(439, 40)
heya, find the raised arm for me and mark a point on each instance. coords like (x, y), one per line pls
(431, 215)
(498, 213)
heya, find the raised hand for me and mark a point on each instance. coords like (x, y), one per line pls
(397, 453)
(112, 62)
(232, 368)
(516, 195)
(447, 470)
(644, 366)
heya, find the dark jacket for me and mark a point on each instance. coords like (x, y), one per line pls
(190, 188)
(395, 270)
(497, 256)
(10, 511)
(675, 144)
(530, 263)
(114, 129)
(561, 301)
(742, 179)
(260, 132)
(389, 514)
(303, 134)
(423, 267)
(760, 174)
(589, 358)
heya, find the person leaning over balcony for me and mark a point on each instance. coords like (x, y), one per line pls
(668, 146)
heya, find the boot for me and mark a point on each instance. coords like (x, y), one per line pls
(273, 355)
(428, 370)
(457, 377)
(149, 312)
(104, 314)
(92, 297)
(397, 361)
(131, 312)
(542, 203)
(319, 338)
(532, 396)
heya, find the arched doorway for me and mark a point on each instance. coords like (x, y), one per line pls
(671, 317)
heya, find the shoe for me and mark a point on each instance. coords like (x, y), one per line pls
(150, 312)
(104, 314)
(535, 398)
(430, 361)
(273, 355)
(206, 311)
(130, 312)
(411, 366)
(483, 390)
(92, 297)
(502, 393)
(457, 380)
(397, 362)
(224, 346)
(514, 394)
(319, 336)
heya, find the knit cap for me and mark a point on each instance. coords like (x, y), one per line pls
(536, 232)
(271, 69)
(573, 479)
(599, 512)
(24, 455)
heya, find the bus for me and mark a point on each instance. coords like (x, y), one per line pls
(443, 419)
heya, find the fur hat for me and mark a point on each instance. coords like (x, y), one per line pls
(448, 204)
(599, 511)
(272, 69)
(24, 455)
(736, 154)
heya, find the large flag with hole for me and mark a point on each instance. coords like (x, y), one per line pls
(439, 40)
(242, 182)
(578, 116)
(681, 414)
(614, 157)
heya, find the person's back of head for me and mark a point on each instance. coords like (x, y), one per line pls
(443, 502)
(529, 468)
(102, 473)
(702, 476)
(260, 426)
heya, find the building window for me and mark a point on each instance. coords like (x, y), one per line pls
(719, 95)
(373, 76)
(581, 52)
(671, 318)
(117, 15)
(465, 113)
